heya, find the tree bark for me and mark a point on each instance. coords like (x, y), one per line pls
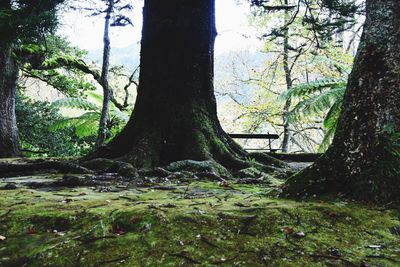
(175, 115)
(101, 138)
(9, 142)
(359, 162)
(287, 134)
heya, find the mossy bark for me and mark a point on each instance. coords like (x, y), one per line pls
(9, 142)
(175, 116)
(358, 161)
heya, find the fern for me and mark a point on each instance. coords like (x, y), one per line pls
(87, 128)
(88, 123)
(319, 98)
(307, 89)
(75, 102)
(317, 104)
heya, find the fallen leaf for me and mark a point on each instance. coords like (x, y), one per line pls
(82, 194)
(288, 230)
(31, 231)
(119, 231)
(2, 238)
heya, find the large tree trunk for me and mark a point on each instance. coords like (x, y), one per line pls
(9, 144)
(175, 115)
(358, 162)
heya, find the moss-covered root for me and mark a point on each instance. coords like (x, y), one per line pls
(7, 170)
(309, 182)
(317, 181)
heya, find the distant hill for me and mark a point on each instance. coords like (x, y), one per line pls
(127, 56)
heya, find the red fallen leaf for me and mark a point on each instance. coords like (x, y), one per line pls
(31, 231)
(288, 231)
(119, 231)
(224, 184)
(82, 194)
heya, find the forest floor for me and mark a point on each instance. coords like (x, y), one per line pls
(194, 222)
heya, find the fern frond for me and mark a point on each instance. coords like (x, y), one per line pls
(328, 136)
(87, 128)
(306, 89)
(74, 102)
(96, 97)
(317, 104)
(332, 117)
(75, 122)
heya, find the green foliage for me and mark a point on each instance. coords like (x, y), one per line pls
(317, 99)
(70, 83)
(59, 64)
(34, 119)
(323, 18)
(87, 124)
(26, 21)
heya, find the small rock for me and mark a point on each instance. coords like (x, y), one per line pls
(300, 234)
(375, 246)
(334, 252)
(9, 186)
(395, 230)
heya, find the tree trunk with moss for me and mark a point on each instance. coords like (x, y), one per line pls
(9, 142)
(361, 161)
(175, 115)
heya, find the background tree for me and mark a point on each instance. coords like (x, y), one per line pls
(64, 69)
(293, 54)
(21, 22)
(115, 15)
(363, 159)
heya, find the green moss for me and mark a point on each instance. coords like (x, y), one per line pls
(200, 222)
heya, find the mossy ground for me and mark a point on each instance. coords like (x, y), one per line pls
(201, 223)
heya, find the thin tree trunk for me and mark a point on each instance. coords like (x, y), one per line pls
(101, 139)
(9, 142)
(359, 162)
(287, 134)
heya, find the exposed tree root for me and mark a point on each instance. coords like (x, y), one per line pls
(7, 170)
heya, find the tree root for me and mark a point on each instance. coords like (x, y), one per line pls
(8, 170)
